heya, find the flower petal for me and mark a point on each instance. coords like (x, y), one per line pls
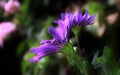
(54, 33)
(78, 18)
(84, 18)
(42, 54)
(63, 16)
(44, 48)
(90, 20)
(46, 41)
(71, 19)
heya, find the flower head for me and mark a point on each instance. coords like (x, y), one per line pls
(66, 20)
(60, 34)
(50, 46)
(83, 20)
(60, 37)
(5, 28)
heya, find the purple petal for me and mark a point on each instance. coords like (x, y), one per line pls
(46, 41)
(35, 58)
(44, 48)
(42, 54)
(84, 18)
(90, 20)
(54, 33)
(39, 55)
(71, 20)
(63, 16)
(62, 25)
(78, 18)
(61, 32)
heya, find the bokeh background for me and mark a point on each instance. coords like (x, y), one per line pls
(32, 21)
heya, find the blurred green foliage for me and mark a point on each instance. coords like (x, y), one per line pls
(33, 22)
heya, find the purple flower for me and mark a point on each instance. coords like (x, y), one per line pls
(60, 37)
(5, 28)
(11, 6)
(83, 20)
(60, 34)
(71, 19)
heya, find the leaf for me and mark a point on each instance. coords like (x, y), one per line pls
(70, 60)
(108, 55)
(108, 62)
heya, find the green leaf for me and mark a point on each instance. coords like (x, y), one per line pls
(109, 63)
(108, 55)
(70, 60)
(86, 68)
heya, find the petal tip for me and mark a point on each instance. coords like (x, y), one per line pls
(32, 60)
(32, 50)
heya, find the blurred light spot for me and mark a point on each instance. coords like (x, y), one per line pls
(111, 19)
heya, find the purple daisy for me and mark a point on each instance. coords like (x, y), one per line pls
(60, 37)
(60, 34)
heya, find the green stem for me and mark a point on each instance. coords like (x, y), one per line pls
(76, 32)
